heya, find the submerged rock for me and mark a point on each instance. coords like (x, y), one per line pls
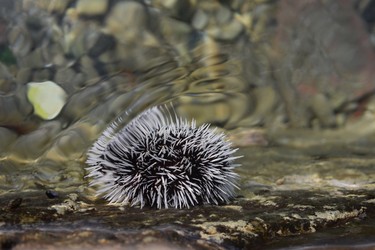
(47, 98)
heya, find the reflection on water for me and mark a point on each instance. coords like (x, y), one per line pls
(70, 67)
(79, 65)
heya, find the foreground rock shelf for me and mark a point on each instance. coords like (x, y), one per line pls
(321, 196)
(31, 220)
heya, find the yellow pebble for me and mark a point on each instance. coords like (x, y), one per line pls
(47, 98)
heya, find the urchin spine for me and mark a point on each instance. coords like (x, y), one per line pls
(162, 160)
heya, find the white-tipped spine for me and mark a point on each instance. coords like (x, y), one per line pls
(162, 160)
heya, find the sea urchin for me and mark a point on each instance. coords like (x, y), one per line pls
(161, 160)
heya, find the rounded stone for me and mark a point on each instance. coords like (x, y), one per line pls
(47, 98)
(92, 7)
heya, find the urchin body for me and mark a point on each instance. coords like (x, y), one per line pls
(161, 160)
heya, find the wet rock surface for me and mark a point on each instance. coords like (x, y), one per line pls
(288, 197)
(245, 223)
